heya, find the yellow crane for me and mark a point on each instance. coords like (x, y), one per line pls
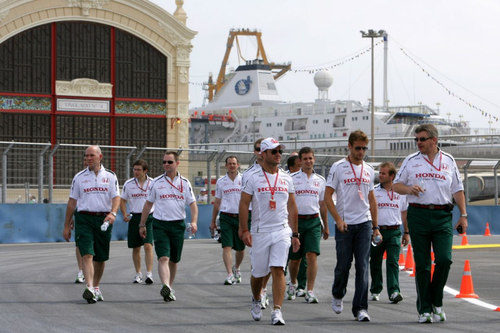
(278, 69)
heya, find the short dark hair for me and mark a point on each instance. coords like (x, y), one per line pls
(357, 136)
(290, 163)
(232, 156)
(429, 128)
(305, 150)
(257, 143)
(142, 163)
(390, 166)
(171, 152)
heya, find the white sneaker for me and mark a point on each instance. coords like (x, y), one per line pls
(89, 295)
(310, 297)
(425, 318)
(264, 300)
(229, 280)
(337, 305)
(256, 310)
(290, 291)
(149, 278)
(438, 314)
(80, 278)
(138, 278)
(300, 293)
(395, 297)
(277, 317)
(98, 294)
(236, 275)
(374, 297)
(363, 315)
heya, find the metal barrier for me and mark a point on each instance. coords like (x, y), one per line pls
(57, 165)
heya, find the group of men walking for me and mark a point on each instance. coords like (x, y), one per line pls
(282, 217)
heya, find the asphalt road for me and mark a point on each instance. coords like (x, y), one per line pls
(38, 294)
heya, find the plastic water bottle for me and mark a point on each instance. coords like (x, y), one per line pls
(376, 240)
(189, 231)
(105, 226)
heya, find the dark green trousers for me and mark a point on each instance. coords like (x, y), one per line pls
(391, 242)
(302, 276)
(430, 228)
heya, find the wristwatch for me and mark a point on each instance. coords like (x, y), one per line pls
(463, 215)
(295, 234)
(376, 228)
(113, 213)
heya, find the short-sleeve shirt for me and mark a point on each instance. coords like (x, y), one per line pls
(229, 192)
(308, 192)
(440, 178)
(136, 195)
(260, 188)
(351, 207)
(170, 197)
(390, 205)
(93, 193)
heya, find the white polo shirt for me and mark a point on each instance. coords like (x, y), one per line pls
(171, 197)
(440, 178)
(94, 192)
(264, 218)
(390, 205)
(229, 191)
(136, 195)
(351, 207)
(308, 192)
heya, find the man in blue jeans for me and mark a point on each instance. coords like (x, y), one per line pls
(355, 215)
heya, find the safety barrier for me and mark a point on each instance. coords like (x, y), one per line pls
(36, 223)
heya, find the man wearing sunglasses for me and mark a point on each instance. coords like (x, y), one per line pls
(264, 298)
(431, 180)
(96, 197)
(170, 194)
(355, 215)
(271, 192)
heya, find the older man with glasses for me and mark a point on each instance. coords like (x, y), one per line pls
(355, 215)
(170, 193)
(431, 180)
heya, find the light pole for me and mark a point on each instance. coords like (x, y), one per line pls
(373, 34)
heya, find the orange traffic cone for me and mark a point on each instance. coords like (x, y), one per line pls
(385, 255)
(413, 272)
(467, 287)
(432, 256)
(409, 264)
(464, 239)
(487, 231)
(401, 261)
(433, 266)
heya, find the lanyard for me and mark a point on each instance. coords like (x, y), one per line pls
(391, 196)
(358, 180)
(180, 190)
(137, 184)
(431, 163)
(272, 189)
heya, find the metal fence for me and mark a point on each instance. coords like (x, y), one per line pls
(39, 172)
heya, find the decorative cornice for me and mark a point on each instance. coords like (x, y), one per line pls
(84, 87)
(4, 14)
(85, 5)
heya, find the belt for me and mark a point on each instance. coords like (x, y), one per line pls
(139, 214)
(308, 217)
(389, 227)
(93, 213)
(174, 221)
(229, 214)
(447, 207)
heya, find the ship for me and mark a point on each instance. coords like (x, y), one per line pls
(244, 104)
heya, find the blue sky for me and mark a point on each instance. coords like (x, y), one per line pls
(454, 41)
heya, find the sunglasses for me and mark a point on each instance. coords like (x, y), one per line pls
(169, 162)
(421, 139)
(257, 149)
(358, 148)
(275, 151)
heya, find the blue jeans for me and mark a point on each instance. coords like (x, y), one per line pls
(356, 241)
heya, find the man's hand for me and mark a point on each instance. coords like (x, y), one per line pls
(462, 221)
(126, 217)
(295, 244)
(376, 233)
(67, 232)
(246, 237)
(406, 239)
(341, 226)
(326, 233)
(110, 218)
(142, 232)
(194, 228)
